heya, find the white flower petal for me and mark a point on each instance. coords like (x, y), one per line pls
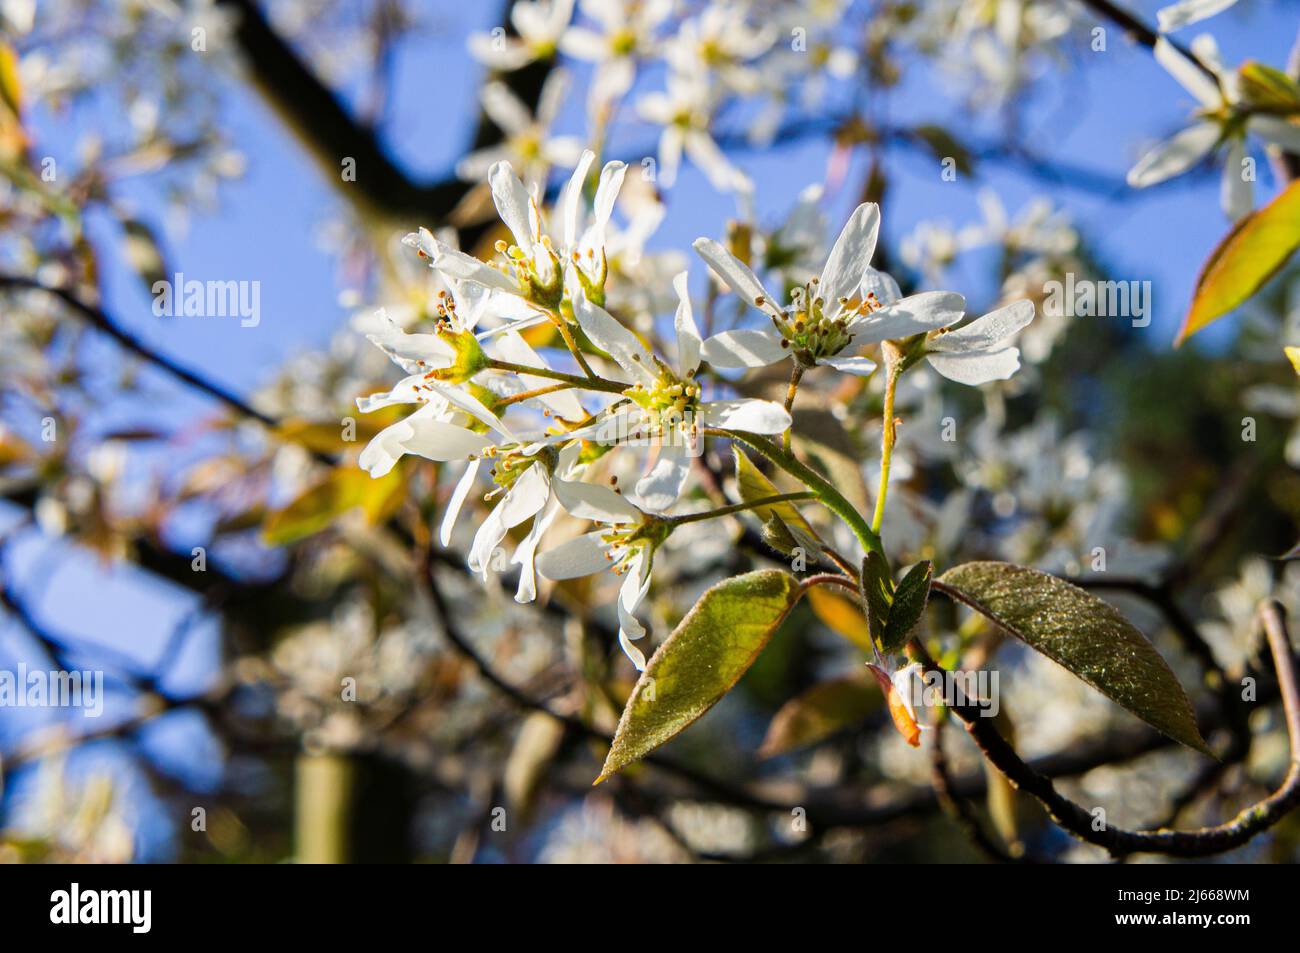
(851, 255)
(463, 400)
(735, 274)
(423, 435)
(756, 416)
(455, 263)
(409, 390)
(583, 44)
(1190, 76)
(859, 366)
(514, 204)
(526, 552)
(1276, 130)
(914, 314)
(903, 686)
(505, 109)
(615, 340)
(549, 103)
(526, 496)
(987, 332)
(630, 596)
(570, 200)
(578, 557)
(670, 153)
(662, 485)
(443, 442)
(487, 542)
(880, 284)
(474, 167)
(590, 501)
(625, 636)
(688, 334)
(744, 348)
(977, 367)
(458, 496)
(1174, 156)
(611, 183)
(508, 58)
(1186, 12)
(713, 162)
(411, 352)
(385, 449)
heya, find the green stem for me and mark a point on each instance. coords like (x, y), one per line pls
(572, 345)
(741, 507)
(536, 392)
(886, 446)
(796, 375)
(587, 383)
(823, 491)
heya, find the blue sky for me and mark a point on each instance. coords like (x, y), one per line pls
(268, 229)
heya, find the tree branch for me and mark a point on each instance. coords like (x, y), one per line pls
(1119, 841)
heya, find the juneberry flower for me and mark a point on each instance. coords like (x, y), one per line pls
(829, 318)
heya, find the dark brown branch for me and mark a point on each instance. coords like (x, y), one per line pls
(100, 321)
(330, 133)
(315, 115)
(1119, 841)
(956, 806)
(1138, 31)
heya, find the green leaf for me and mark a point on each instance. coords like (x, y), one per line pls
(909, 603)
(752, 485)
(820, 712)
(1085, 635)
(878, 591)
(704, 657)
(1256, 248)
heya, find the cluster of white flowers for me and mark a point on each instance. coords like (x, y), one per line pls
(547, 438)
(778, 53)
(989, 48)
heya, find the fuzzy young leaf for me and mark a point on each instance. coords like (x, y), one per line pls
(701, 661)
(818, 713)
(878, 593)
(752, 485)
(1082, 633)
(909, 603)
